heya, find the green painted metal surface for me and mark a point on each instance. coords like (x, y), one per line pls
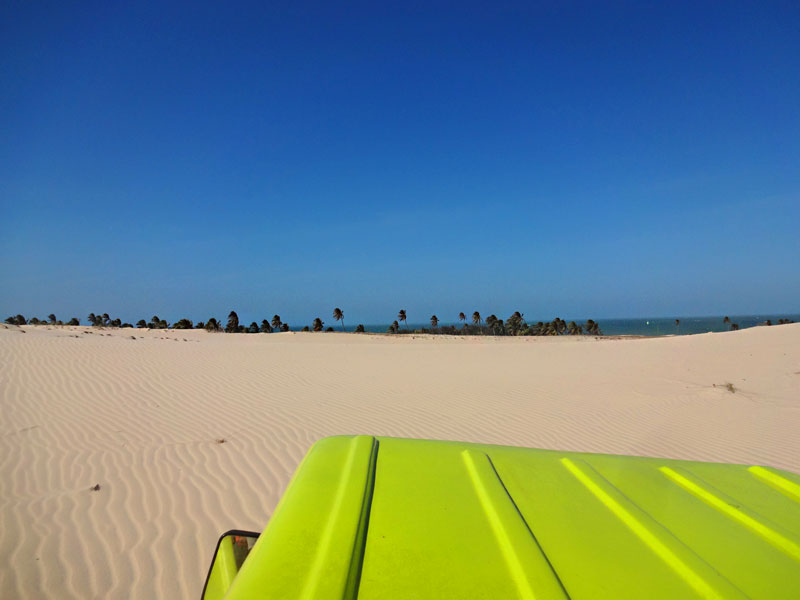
(379, 517)
(223, 571)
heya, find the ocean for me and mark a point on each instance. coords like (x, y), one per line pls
(649, 327)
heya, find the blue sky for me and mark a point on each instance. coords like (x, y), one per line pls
(566, 159)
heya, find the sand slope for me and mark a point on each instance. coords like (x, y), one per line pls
(142, 417)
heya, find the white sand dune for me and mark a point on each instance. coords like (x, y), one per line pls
(142, 417)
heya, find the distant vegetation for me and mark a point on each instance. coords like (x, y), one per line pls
(491, 325)
(514, 325)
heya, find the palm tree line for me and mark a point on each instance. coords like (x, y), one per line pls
(491, 325)
(514, 325)
(155, 322)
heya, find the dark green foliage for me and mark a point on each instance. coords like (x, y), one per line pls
(329, 329)
(200, 325)
(284, 327)
(127, 325)
(213, 325)
(401, 316)
(476, 318)
(305, 328)
(34, 321)
(52, 318)
(253, 328)
(141, 324)
(276, 322)
(338, 315)
(359, 328)
(394, 327)
(434, 321)
(515, 324)
(317, 325)
(183, 324)
(156, 323)
(233, 323)
(73, 321)
(592, 328)
(265, 327)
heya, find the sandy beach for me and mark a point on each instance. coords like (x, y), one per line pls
(190, 433)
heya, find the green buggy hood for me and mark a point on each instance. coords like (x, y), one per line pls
(378, 518)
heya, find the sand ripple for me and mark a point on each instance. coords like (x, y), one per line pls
(146, 419)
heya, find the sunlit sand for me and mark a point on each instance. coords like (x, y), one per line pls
(122, 459)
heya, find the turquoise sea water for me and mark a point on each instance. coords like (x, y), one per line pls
(654, 326)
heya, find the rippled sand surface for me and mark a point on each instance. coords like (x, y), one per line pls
(188, 433)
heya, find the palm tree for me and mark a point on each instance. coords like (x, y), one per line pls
(233, 323)
(317, 324)
(141, 324)
(561, 326)
(253, 328)
(476, 318)
(462, 317)
(359, 328)
(434, 321)
(284, 327)
(726, 320)
(338, 315)
(52, 318)
(276, 322)
(265, 327)
(499, 327)
(213, 325)
(394, 327)
(514, 323)
(401, 316)
(92, 319)
(74, 321)
(592, 328)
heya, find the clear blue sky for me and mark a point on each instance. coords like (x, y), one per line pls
(559, 158)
